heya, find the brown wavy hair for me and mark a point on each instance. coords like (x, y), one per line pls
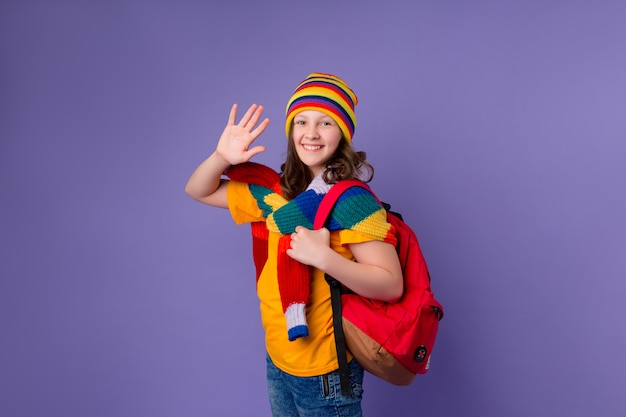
(346, 163)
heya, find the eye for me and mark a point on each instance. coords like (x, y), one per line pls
(298, 122)
(327, 123)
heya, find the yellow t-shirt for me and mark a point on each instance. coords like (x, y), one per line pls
(306, 356)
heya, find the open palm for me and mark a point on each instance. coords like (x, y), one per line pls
(234, 144)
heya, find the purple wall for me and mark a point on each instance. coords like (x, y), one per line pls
(497, 128)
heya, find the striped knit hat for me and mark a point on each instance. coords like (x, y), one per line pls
(328, 94)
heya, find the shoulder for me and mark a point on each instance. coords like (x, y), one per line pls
(354, 205)
(358, 210)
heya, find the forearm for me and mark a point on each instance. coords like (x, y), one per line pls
(206, 180)
(379, 280)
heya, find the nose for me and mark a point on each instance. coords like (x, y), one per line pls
(311, 131)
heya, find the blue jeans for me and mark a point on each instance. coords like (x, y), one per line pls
(316, 396)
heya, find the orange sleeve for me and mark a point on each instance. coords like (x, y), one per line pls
(242, 205)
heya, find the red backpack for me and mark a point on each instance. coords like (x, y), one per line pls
(393, 341)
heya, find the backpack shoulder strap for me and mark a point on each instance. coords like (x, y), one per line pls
(323, 212)
(329, 200)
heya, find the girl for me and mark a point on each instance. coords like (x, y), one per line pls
(357, 248)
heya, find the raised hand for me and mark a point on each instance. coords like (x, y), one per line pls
(234, 144)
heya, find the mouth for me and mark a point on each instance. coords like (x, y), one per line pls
(312, 147)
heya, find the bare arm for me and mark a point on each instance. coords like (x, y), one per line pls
(376, 274)
(233, 147)
(205, 184)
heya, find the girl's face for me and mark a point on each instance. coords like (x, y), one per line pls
(316, 137)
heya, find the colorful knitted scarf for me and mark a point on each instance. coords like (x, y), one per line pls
(355, 210)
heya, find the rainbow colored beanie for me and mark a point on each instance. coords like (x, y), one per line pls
(328, 94)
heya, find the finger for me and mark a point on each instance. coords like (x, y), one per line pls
(260, 128)
(254, 151)
(246, 117)
(255, 116)
(233, 114)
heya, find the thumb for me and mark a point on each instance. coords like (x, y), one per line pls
(253, 151)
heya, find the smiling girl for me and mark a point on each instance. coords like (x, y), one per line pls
(357, 248)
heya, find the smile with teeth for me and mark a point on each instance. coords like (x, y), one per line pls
(312, 147)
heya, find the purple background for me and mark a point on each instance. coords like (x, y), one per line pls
(497, 128)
